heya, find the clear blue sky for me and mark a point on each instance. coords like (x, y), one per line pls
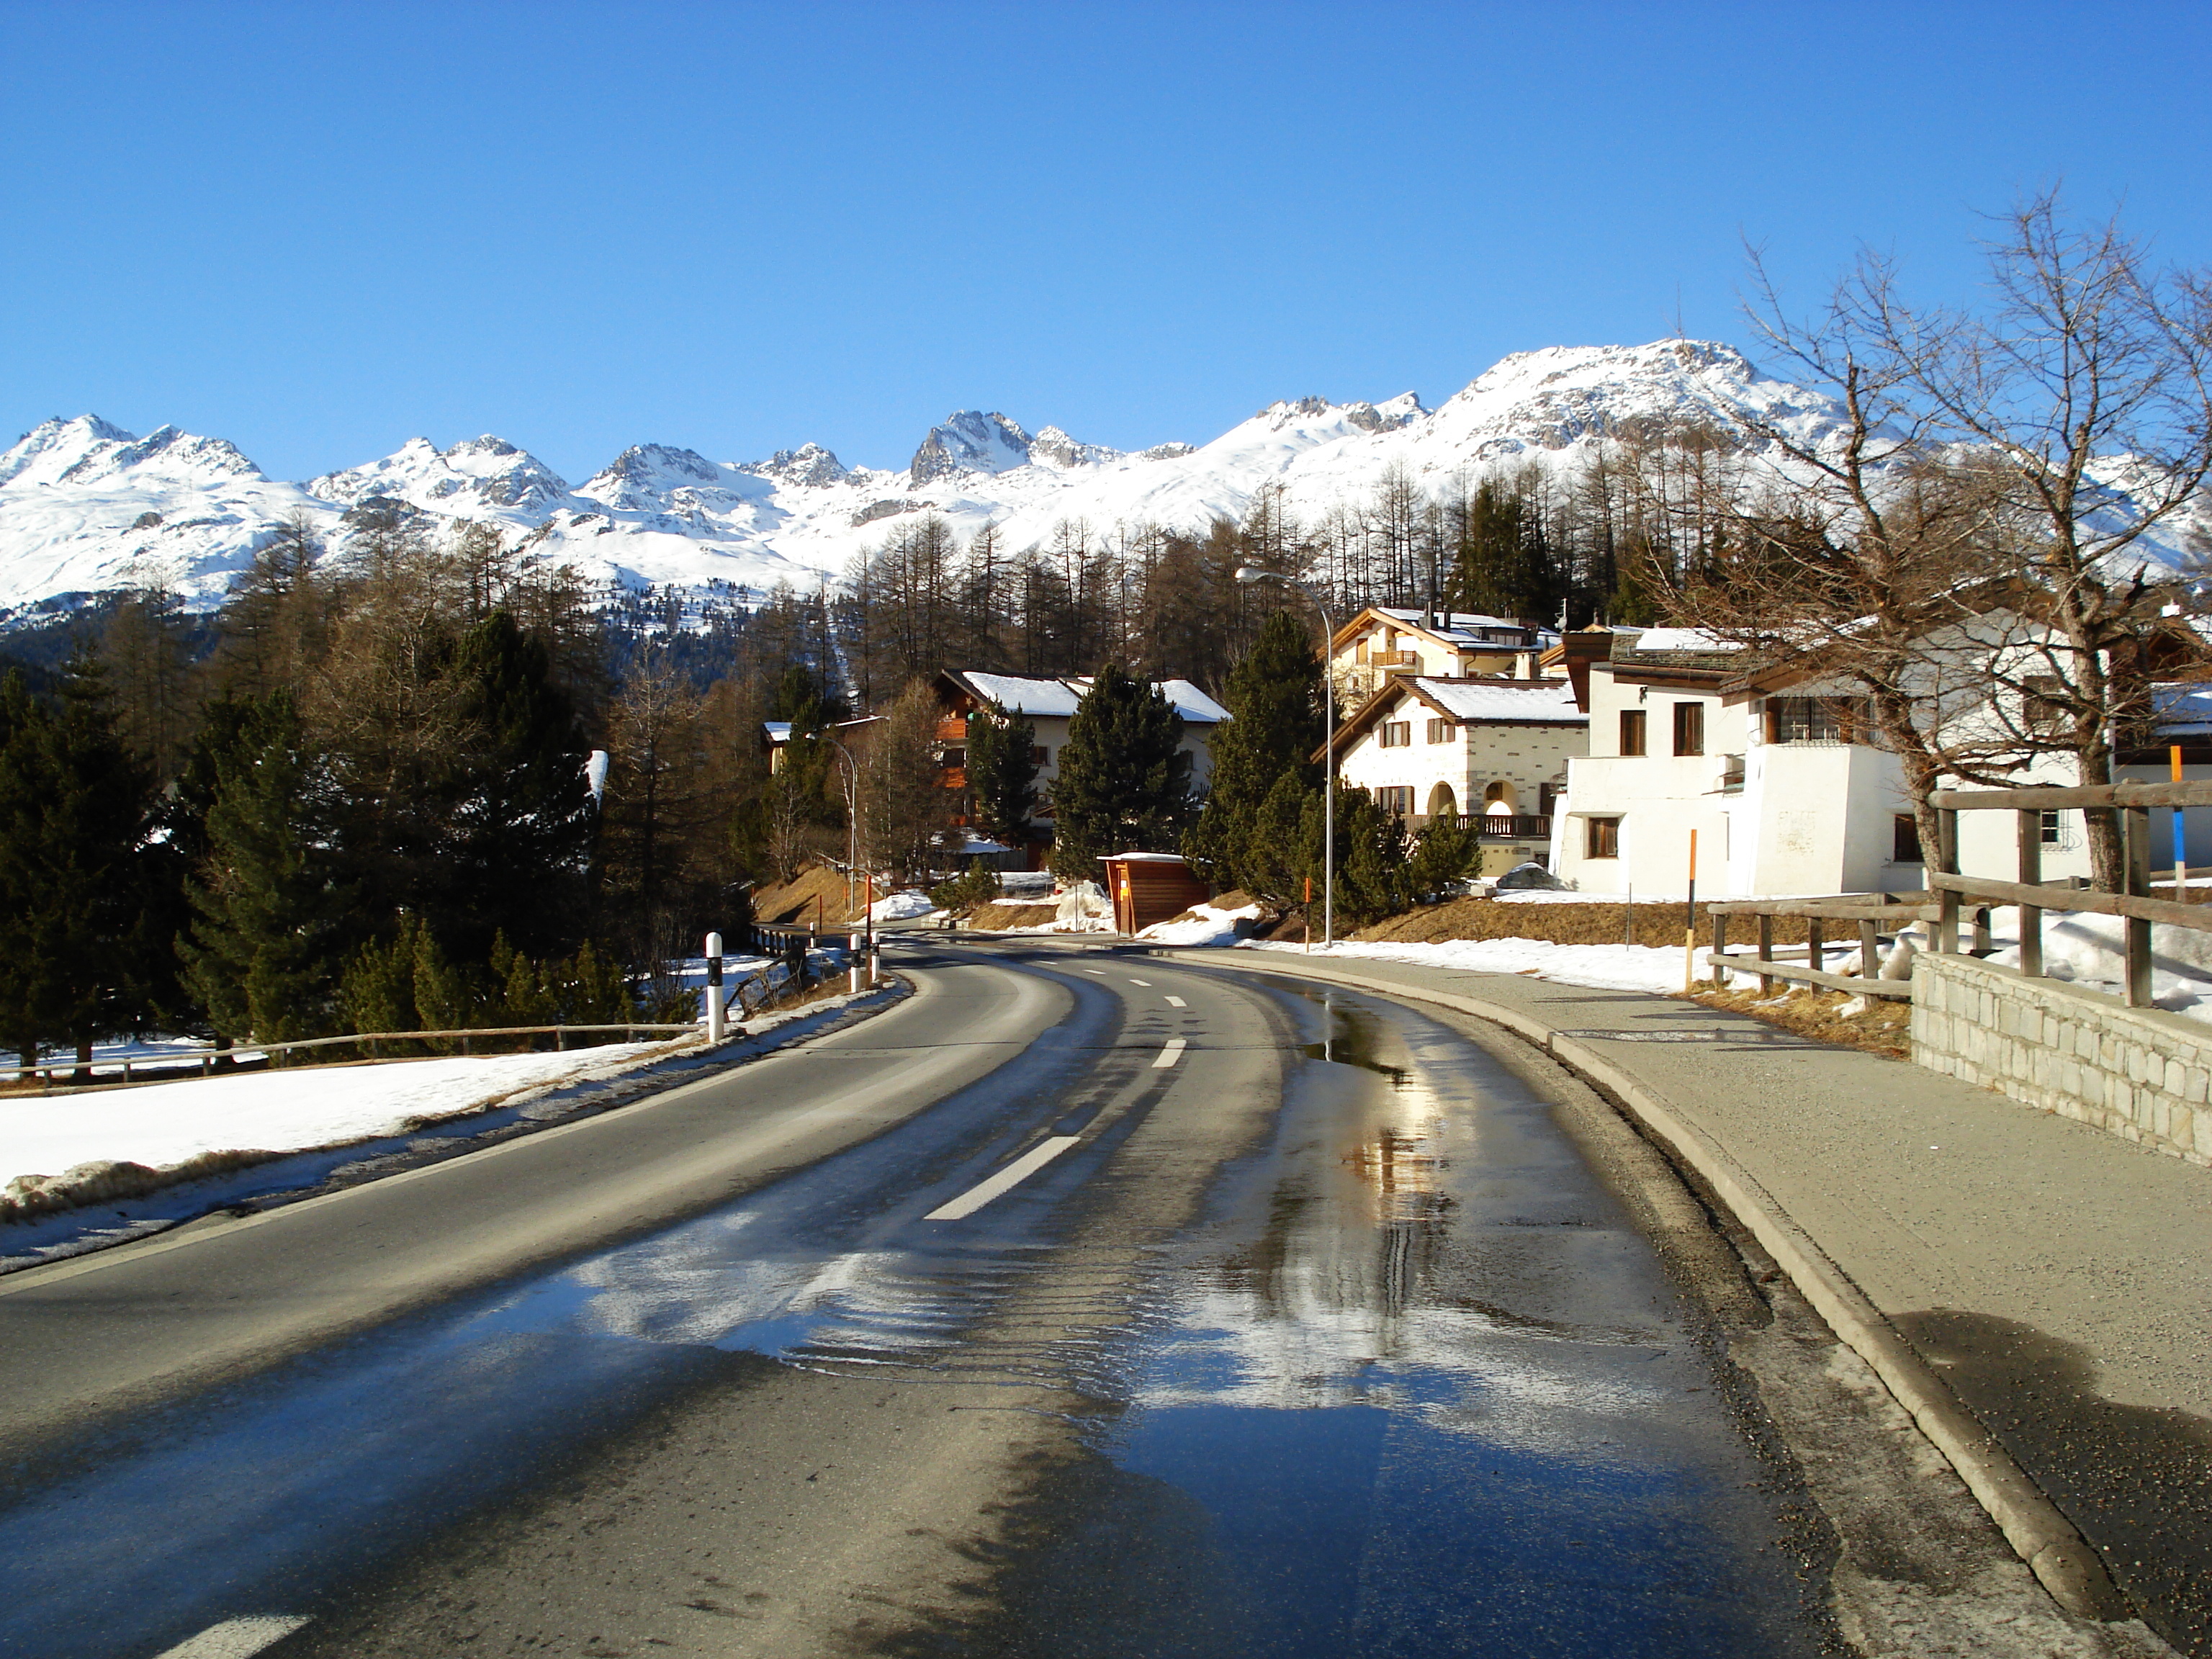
(319, 229)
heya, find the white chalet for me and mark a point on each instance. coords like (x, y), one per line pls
(1785, 792)
(1385, 639)
(1780, 774)
(1498, 749)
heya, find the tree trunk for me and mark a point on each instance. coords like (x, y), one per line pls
(83, 1072)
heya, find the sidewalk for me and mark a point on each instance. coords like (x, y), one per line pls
(2056, 1280)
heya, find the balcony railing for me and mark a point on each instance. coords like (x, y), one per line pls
(1393, 659)
(1501, 826)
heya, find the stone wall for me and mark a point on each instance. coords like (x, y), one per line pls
(2140, 1073)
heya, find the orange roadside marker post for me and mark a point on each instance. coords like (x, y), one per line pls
(1690, 923)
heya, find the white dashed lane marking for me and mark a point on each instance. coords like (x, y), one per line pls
(1013, 1176)
(236, 1638)
(1177, 1002)
(1170, 1055)
(1146, 983)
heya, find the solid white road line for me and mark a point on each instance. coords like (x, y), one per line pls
(1015, 1173)
(1146, 983)
(237, 1639)
(1101, 972)
(1177, 1002)
(1169, 1054)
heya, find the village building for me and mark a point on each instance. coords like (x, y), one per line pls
(1381, 641)
(1049, 704)
(1493, 751)
(1781, 774)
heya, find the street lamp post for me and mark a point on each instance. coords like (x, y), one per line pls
(1246, 573)
(853, 836)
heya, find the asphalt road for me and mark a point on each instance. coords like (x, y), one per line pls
(1083, 1304)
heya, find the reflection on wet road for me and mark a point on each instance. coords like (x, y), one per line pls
(1407, 1382)
(1412, 1386)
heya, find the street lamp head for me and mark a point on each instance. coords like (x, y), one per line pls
(1252, 573)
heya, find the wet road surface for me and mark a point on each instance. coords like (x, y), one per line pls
(1211, 1316)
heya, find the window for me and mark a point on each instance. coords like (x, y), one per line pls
(1360, 652)
(1040, 755)
(2052, 831)
(953, 756)
(1442, 731)
(1689, 728)
(1601, 838)
(2042, 704)
(1905, 839)
(1632, 725)
(1395, 799)
(1396, 734)
(1816, 719)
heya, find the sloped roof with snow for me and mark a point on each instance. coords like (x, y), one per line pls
(1491, 703)
(2183, 710)
(1020, 696)
(1059, 698)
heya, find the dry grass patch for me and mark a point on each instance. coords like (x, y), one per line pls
(795, 901)
(1884, 1029)
(1575, 924)
(1003, 914)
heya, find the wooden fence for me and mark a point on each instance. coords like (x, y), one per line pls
(2134, 804)
(1867, 912)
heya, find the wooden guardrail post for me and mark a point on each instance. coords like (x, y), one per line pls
(1767, 950)
(1870, 948)
(2030, 826)
(2135, 840)
(1815, 930)
(1719, 943)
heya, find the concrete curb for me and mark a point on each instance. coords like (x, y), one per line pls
(2042, 1537)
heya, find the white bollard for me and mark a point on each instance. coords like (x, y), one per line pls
(857, 971)
(716, 1024)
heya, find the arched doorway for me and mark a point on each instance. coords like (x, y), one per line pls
(1443, 804)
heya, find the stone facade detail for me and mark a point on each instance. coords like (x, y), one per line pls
(2140, 1073)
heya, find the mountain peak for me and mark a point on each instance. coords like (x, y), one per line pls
(809, 464)
(970, 440)
(482, 475)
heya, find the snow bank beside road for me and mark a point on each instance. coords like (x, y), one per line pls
(1605, 967)
(901, 907)
(1207, 925)
(169, 1123)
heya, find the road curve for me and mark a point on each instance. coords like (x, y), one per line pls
(124, 1329)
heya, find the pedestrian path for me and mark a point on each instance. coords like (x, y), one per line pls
(2055, 1281)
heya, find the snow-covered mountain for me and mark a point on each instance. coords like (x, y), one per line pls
(85, 506)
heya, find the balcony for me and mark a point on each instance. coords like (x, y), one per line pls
(1512, 826)
(1393, 659)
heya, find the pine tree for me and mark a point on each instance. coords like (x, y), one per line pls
(1002, 772)
(1504, 564)
(74, 813)
(521, 822)
(1124, 783)
(261, 954)
(1371, 858)
(1274, 697)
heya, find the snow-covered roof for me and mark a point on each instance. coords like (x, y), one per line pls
(1193, 704)
(1017, 695)
(1490, 701)
(1464, 627)
(2183, 710)
(1059, 698)
(778, 731)
(1680, 639)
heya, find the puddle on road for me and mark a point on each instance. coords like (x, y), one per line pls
(1414, 1387)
